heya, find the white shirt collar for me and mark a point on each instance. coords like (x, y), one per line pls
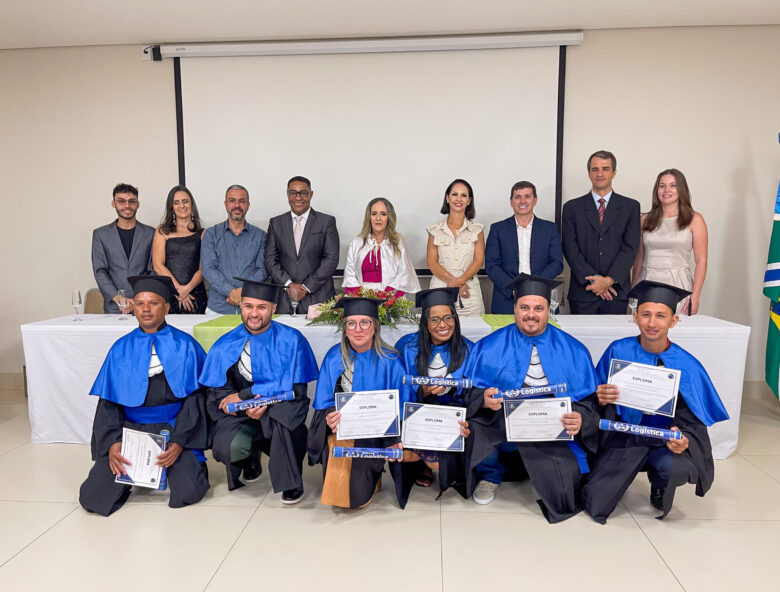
(528, 227)
(597, 197)
(304, 216)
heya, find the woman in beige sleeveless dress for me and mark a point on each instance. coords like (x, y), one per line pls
(456, 249)
(671, 232)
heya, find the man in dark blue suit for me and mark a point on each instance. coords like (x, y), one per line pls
(600, 240)
(522, 243)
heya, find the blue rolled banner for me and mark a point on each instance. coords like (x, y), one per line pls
(164, 474)
(533, 391)
(259, 402)
(639, 430)
(437, 381)
(347, 452)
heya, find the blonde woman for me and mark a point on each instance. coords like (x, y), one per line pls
(378, 258)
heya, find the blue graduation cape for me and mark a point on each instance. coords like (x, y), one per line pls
(407, 347)
(124, 376)
(371, 373)
(281, 357)
(695, 384)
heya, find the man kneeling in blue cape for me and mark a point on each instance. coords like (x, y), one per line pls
(668, 464)
(258, 358)
(149, 383)
(531, 353)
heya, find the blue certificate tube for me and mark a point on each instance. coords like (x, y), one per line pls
(259, 402)
(164, 475)
(437, 381)
(388, 453)
(639, 430)
(534, 391)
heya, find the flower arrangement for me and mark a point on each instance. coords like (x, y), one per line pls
(393, 310)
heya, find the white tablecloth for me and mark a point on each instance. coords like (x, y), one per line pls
(63, 358)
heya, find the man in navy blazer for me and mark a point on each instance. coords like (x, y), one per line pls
(522, 243)
(600, 240)
(121, 249)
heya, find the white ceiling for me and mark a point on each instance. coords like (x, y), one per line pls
(53, 23)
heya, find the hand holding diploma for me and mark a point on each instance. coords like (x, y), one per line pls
(572, 422)
(167, 458)
(116, 461)
(234, 398)
(332, 419)
(491, 401)
(678, 446)
(607, 393)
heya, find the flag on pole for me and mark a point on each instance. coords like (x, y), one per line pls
(772, 291)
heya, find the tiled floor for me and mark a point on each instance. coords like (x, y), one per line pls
(730, 540)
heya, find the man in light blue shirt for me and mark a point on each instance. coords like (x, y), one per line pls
(233, 248)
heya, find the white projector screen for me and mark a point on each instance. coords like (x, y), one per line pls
(396, 125)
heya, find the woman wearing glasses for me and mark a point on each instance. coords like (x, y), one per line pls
(437, 349)
(362, 362)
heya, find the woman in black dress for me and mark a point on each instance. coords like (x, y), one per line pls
(176, 251)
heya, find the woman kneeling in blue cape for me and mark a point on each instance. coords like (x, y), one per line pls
(362, 362)
(438, 350)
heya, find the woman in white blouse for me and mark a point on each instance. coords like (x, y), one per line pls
(378, 258)
(456, 248)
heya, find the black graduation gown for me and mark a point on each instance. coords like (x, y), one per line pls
(622, 456)
(280, 433)
(187, 477)
(551, 466)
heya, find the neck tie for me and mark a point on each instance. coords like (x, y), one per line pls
(602, 209)
(298, 233)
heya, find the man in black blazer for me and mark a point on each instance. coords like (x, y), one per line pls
(600, 240)
(302, 250)
(538, 240)
(121, 249)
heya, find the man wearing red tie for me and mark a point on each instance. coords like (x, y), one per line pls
(600, 240)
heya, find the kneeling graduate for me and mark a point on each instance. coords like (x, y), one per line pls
(260, 358)
(669, 464)
(362, 362)
(532, 353)
(149, 383)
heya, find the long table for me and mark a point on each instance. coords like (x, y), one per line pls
(63, 358)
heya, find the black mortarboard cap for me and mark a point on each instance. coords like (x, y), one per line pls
(161, 285)
(359, 306)
(259, 290)
(529, 285)
(436, 296)
(648, 291)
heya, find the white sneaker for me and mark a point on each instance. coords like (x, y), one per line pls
(485, 492)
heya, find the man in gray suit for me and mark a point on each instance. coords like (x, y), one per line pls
(302, 249)
(121, 249)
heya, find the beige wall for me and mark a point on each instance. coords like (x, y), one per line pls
(705, 100)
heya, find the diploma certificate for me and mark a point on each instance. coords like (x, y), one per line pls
(650, 389)
(432, 427)
(142, 449)
(368, 414)
(536, 420)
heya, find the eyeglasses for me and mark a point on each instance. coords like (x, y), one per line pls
(448, 319)
(363, 324)
(292, 193)
(122, 201)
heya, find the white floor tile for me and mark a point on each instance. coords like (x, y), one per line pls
(44, 472)
(770, 464)
(23, 522)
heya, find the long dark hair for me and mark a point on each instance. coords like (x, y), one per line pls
(684, 207)
(169, 221)
(471, 210)
(456, 346)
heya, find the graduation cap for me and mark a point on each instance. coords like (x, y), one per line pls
(648, 291)
(529, 285)
(359, 306)
(436, 296)
(162, 285)
(260, 290)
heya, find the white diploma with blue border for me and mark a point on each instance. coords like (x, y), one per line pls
(432, 427)
(142, 450)
(536, 420)
(368, 414)
(650, 389)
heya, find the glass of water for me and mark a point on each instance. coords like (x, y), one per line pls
(77, 303)
(555, 301)
(632, 304)
(122, 303)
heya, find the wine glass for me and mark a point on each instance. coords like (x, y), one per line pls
(632, 304)
(122, 302)
(294, 304)
(555, 300)
(77, 303)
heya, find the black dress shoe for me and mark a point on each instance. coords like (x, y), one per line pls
(292, 496)
(657, 498)
(252, 468)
